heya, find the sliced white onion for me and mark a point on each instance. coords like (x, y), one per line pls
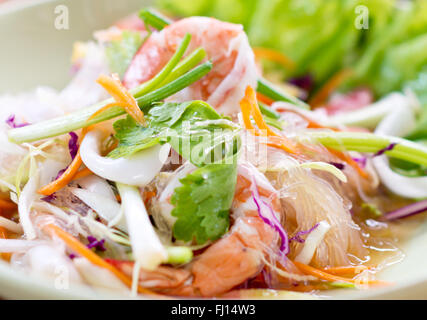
(28, 195)
(16, 245)
(399, 123)
(147, 249)
(99, 277)
(106, 208)
(312, 241)
(97, 185)
(10, 225)
(138, 169)
(51, 262)
(371, 115)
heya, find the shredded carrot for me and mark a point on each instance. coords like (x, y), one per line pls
(346, 158)
(347, 270)
(7, 205)
(116, 89)
(249, 106)
(64, 179)
(4, 235)
(82, 174)
(118, 198)
(330, 277)
(264, 99)
(274, 55)
(333, 83)
(78, 247)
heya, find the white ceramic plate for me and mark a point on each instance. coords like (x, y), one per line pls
(35, 53)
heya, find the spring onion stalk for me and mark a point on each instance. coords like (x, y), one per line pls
(154, 19)
(185, 65)
(267, 89)
(78, 119)
(369, 142)
(158, 22)
(147, 249)
(179, 255)
(267, 111)
(167, 69)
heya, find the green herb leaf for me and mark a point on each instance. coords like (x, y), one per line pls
(194, 129)
(203, 201)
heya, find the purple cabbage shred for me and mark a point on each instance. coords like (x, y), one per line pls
(338, 165)
(304, 82)
(388, 148)
(297, 236)
(11, 122)
(97, 244)
(73, 144)
(361, 161)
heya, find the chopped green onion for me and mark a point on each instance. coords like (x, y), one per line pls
(179, 255)
(186, 65)
(267, 111)
(267, 89)
(154, 19)
(165, 72)
(369, 142)
(78, 119)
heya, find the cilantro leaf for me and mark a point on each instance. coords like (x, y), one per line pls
(194, 129)
(203, 201)
(120, 52)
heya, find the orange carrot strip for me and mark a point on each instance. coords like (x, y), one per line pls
(346, 158)
(4, 235)
(82, 250)
(346, 270)
(264, 99)
(274, 55)
(275, 139)
(72, 173)
(333, 83)
(116, 89)
(7, 204)
(330, 277)
(64, 179)
(82, 174)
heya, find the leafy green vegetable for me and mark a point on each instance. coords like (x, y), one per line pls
(194, 129)
(203, 201)
(198, 133)
(322, 37)
(120, 52)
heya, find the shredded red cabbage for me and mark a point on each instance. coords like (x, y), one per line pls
(382, 151)
(297, 236)
(361, 161)
(73, 144)
(94, 243)
(11, 122)
(338, 165)
(304, 82)
(49, 198)
(267, 215)
(72, 256)
(407, 211)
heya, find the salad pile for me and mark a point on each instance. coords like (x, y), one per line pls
(181, 161)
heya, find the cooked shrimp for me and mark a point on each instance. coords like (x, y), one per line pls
(226, 45)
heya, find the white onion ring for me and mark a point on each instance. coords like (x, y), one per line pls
(137, 170)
